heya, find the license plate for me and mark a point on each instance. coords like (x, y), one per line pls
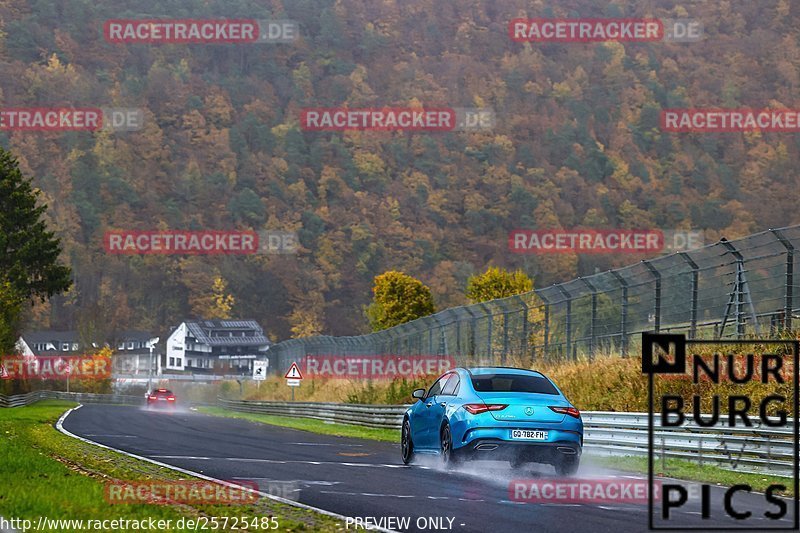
(528, 434)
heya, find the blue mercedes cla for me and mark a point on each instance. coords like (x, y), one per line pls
(494, 413)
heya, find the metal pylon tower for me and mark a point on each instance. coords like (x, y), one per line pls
(739, 299)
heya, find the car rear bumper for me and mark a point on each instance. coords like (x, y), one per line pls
(495, 443)
(503, 450)
(157, 403)
(560, 433)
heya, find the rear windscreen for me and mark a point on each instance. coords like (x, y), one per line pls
(512, 383)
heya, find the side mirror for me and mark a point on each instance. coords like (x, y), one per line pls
(419, 394)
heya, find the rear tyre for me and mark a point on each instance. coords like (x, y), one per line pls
(567, 466)
(446, 447)
(406, 445)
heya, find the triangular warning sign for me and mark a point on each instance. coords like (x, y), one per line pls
(3, 372)
(294, 372)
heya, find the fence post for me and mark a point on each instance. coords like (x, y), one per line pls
(369, 345)
(695, 293)
(740, 293)
(440, 336)
(593, 324)
(569, 318)
(393, 349)
(789, 283)
(624, 325)
(489, 327)
(546, 344)
(504, 354)
(657, 305)
(419, 325)
(524, 344)
(473, 326)
(505, 336)
(458, 336)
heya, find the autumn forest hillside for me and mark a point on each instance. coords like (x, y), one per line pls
(576, 144)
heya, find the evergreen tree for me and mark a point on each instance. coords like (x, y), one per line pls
(29, 253)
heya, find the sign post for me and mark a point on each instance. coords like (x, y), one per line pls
(260, 372)
(293, 377)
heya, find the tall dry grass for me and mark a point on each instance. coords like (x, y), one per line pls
(603, 384)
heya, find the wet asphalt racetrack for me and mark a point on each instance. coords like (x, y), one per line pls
(367, 479)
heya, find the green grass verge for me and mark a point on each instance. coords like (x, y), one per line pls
(309, 424)
(46, 473)
(680, 469)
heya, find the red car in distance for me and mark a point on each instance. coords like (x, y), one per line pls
(161, 398)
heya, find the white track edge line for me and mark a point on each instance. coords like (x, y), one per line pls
(60, 427)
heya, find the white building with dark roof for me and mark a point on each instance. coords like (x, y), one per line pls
(132, 353)
(216, 346)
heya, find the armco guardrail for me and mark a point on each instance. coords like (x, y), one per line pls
(374, 416)
(604, 433)
(20, 400)
(185, 377)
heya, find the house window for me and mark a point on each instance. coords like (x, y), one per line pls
(171, 361)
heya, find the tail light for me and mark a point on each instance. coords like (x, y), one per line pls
(170, 398)
(478, 408)
(571, 411)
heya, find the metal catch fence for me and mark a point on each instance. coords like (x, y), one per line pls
(729, 289)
